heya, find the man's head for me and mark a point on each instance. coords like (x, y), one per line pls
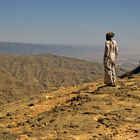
(109, 35)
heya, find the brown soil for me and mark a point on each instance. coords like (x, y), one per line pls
(84, 112)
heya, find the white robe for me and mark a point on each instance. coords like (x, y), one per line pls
(110, 55)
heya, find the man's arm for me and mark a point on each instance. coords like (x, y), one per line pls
(116, 50)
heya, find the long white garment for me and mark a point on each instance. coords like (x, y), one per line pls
(110, 55)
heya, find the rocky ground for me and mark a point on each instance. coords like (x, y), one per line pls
(84, 112)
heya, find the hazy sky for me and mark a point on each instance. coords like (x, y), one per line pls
(70, 21)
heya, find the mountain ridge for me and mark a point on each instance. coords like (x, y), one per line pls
(24, 76)
(86, 52)
(127, 58)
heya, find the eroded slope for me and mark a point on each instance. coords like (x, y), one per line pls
(84, 112)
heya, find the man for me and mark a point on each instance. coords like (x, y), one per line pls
(110, 55)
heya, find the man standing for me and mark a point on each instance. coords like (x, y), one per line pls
(110, 55)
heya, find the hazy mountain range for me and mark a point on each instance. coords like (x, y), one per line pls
(74, 51)
(128, 58)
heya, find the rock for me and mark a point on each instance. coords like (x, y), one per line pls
(104, 121)
(10, 125)
(9, 114)
(20, 124)
(32, 104)
(48, 97)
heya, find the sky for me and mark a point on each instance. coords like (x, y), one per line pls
(77, 22)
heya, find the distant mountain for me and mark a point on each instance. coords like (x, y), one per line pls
(73, 51)
(127, 59)
(129, 66)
